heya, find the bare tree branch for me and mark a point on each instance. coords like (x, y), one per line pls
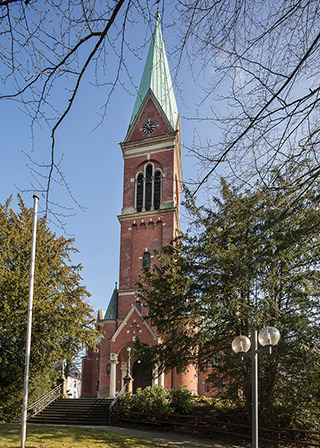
(258, 115)
(75, 90)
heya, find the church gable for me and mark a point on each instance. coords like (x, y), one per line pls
(133, 327)
(150, 121)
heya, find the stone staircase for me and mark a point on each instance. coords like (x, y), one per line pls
(75, 411)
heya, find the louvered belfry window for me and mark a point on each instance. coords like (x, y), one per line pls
(139, 192)
(148, 189)
(157, 190)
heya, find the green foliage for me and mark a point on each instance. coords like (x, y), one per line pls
(221, 409)
(157, 400)
(62, 319)
(152, 400)
(182, 401)
(40, 382)
(177, 316)
(247, 263)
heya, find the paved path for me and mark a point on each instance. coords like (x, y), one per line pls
(171, 438)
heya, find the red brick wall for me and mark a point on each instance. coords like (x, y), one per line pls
(189, 378)
(137, 236)
(150, 112)
(90, 374)
(134, 165)
(203, 376)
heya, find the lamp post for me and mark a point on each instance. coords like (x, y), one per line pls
(128, 380)
(129, 358)
(267, 338)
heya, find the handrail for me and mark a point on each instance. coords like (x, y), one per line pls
(278, 436)
(44, 401)
(113, 402)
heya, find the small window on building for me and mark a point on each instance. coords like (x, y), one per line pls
(138, 305)
(207, 363)
(220, 385)
(217, 359)
(150, 308)
(108, 369)
(146, 261)
(207, 386)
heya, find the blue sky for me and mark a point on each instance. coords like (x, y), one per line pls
(92, 165)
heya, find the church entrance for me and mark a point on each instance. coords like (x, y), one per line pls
(142, 375)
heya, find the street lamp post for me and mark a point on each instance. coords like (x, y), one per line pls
(128, 380)
(267, 338)
(129, 358)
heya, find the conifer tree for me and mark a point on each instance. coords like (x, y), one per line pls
(248, 263)
(62, 319)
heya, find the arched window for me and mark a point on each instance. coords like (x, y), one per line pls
(146, 261)
(217, 359)
(139, 192)
(148, 189)
(220, 385)
(148, 200)
(157, 190)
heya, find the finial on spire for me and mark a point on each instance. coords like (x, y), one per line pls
(158, 16)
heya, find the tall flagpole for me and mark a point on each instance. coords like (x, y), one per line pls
(29, 323)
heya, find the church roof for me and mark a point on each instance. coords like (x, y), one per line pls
(156, 76)
(112, 310)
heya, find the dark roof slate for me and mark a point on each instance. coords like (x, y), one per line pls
(112, 310)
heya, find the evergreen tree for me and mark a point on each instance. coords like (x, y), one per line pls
(246, 264)
(62, 319)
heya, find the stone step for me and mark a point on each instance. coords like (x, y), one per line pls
(81, 411)
(63, 407)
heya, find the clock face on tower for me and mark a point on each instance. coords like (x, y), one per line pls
(149, 126)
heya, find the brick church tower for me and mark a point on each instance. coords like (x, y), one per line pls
(149, 220)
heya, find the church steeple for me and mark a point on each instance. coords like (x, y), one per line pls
(156, 78)
(149, 220)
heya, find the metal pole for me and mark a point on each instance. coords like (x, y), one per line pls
(255, 430)
(29, 323)
(129, 358)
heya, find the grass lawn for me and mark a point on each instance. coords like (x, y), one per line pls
(62, 437)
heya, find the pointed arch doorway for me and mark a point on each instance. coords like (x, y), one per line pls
(142, 375)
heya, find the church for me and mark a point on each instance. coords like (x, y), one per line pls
(149, 220)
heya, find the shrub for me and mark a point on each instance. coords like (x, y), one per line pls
(182, 401)
(151, 400)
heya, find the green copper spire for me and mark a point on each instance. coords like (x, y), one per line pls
(156, 76)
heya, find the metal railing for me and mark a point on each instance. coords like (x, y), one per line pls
(114, 401)
(44, 401)
(280, 437)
